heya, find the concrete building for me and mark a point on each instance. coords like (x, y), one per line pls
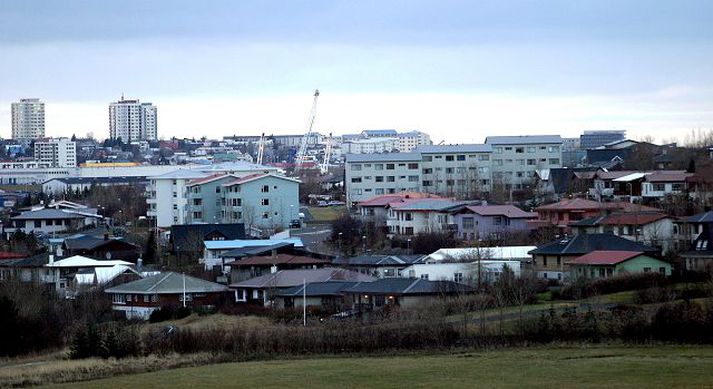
(516, 158)
(167, 194)
(60, 152)
(593, 139)
(412, 139)
(132, 121)
(28, 119)
(370, 145)
(263, 202)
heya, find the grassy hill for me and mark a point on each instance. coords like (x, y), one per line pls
(581, 367)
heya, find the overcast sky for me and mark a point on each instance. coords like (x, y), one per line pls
(459, 70)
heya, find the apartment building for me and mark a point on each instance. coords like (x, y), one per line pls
(132, 121)
(167, 193)
(412, 139)
(370, 145)
(516, 159)
(262, 201)
(60, 152)
(28, 119)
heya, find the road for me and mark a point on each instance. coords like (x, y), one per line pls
(314, 237)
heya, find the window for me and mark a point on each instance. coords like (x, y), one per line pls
(498, 150)
(424, 276)
(468, 223)
(519, 150)
(217, 189)
(427, 170)
(408, 216)
(118, 298)
(531, 149)
(460, 157)
(427, 183)
(390, 166)
(189, 297)
(390, 179)
(498, 162)
(483, 157)
(379, 191)
(647, 270)
(408, 230)
(458, 277)
(427, 158)
(450, 182)
(662, 270)
(356, 180)
(449, 157)
(265, 189)
(356, 167)
(197, 201)
(412, 178)
(449, 170)
(197, 215)
(659, 187)
(265, 215)
(554, 149)
(497, 220)
(460, 170)
(554, 161)
(265, 201)
(379, 178)
(146, 298)
(413, 166)
(531, 162)
(378, 166)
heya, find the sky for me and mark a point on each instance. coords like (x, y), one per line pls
(458, 70)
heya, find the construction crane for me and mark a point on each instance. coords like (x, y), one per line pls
(302, 153)
(260, 149)
(324, 167)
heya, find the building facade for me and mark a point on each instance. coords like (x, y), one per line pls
(592, 139)
(28, 119)
(516, 158)
(132, 121)
(60, 152)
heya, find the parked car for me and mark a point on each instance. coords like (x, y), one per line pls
(296, 223)
(337, 202)
(322, 204)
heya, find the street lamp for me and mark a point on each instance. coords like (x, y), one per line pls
(363, 244)
(340, 243)
(408, 246)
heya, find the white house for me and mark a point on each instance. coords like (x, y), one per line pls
(212, 254)
(468, 254)
(414, 216)
(662, 183)
(464, 272)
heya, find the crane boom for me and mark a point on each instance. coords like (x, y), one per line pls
(261, 149)
(324, 168)
(302, 153)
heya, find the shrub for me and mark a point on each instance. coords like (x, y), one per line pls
(583, 288)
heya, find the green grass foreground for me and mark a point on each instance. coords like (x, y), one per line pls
(563, 367)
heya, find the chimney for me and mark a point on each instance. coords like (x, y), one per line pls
(51, 259)
(139, 264)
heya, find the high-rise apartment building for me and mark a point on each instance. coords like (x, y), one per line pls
(28, 119)
(60, 152)
(132, 121)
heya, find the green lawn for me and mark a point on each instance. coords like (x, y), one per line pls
(586, 367)
(326, 214)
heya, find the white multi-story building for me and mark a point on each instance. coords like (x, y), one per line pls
(370, 145)
(412, 139)
(28, 119)
(60, 152)
(462, 171)
(516, 159)
(132, 121)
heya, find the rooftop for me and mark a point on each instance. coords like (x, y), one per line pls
(606, 257)
(169, 283)
(509, 211)
(464, 148)
(407, 286)
(383, 200)
(279, 259)
(523, 139)
(585, 243)
(288, 278)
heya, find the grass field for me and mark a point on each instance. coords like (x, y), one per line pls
(586, 367)
(326, 214)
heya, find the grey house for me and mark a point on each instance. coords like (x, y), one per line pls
(491, 221)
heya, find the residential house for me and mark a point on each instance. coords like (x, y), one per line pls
(106, 247)
(328, 296)
(263, 290)
(654, 229)
(469, 254)
(379, 266)
(551, 260)
(559, 215)
(415, 216)
(101, 278)
(255, 266)
(469, 273)
(405, 293)
(50, 221)
(138, 299)
(62, 271)
(474, 222)
(375, 209)
(187, 239)
(27, 269)
(218, 252)
(696, 241)
(660, 184)
(610, 263)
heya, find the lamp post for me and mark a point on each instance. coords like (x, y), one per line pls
(408, 246)
(340, 243)
(363, 244)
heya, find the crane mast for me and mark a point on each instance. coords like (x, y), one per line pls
(260, 149)
(302, 153)
(324, 168)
